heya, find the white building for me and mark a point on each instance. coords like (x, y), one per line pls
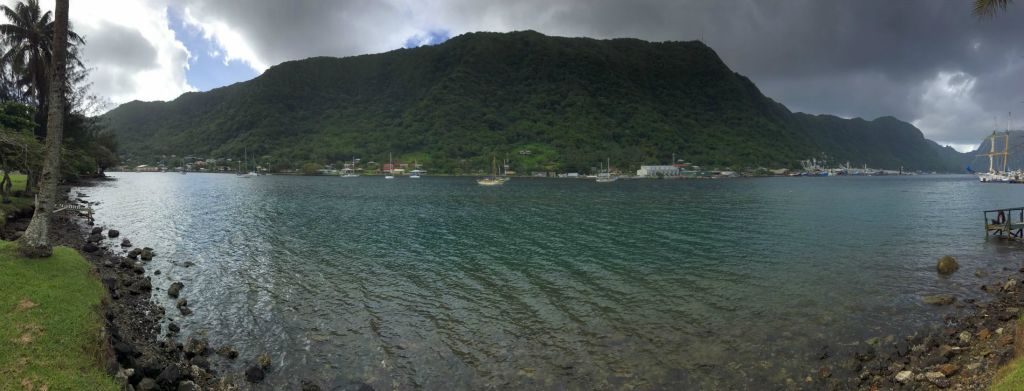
(651, 171)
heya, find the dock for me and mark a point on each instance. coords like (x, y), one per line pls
(1005, 223)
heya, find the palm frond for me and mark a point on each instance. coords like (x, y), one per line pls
(989, 8)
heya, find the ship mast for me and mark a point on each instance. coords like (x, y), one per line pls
(1006, 149)
(992, 152)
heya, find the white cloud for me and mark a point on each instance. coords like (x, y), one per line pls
(151, 65)
(164, 80)
(948, 108)
(234, 45)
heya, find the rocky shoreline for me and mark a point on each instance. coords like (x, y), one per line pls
(145, 350)
(964, 352)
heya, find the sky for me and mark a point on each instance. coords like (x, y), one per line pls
(953, 75)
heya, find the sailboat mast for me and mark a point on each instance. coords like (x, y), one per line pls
(1006, 150)
(992, 153)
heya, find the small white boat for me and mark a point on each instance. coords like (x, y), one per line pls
(245, 165)
(416, 172)
(391, 163)
(351, 172)
(493, 180)
(606, 177)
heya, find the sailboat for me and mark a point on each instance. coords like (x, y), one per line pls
(606, 177)
(351, 173)
(492, 180)
(245, 166)
(504, 171)
(415, 173)
(391, 170)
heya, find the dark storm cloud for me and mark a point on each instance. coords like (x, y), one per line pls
(930, 62)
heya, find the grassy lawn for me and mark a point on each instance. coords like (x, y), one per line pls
(17, 203)
(1010, 377)
(49, 323)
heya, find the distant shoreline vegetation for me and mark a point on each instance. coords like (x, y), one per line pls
(571, 102)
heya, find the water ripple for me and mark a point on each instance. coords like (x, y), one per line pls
(543, 284)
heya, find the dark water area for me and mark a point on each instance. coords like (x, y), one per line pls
(439, 283)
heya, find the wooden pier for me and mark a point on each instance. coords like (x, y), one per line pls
(1005, 223)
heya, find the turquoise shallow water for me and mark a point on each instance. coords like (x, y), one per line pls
(440, 283)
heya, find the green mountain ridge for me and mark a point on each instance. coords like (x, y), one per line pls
(572, 101)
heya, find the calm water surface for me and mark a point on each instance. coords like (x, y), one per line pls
(440, 283)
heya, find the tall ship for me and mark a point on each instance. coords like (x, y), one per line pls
(997, 161)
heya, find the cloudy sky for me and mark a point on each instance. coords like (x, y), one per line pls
(928, 62)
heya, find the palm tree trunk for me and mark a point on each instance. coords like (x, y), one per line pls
(36, 241)
(30, 183)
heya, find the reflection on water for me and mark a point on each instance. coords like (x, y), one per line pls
(552, 284)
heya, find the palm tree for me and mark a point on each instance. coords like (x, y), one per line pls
(989, 8)
(28, 38)
(36, 242)
(28, 42)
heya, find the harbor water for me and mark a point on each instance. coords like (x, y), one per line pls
(439, 283)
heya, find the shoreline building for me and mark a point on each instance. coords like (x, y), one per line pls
(663, 170)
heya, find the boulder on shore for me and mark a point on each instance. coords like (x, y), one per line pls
(113, 233)
(228, 352)
(904, 377)
(195, 346)
(175, 289)
(1010, 285)
(947, 265)
(939, 299)
(90, 248)
(254, 374)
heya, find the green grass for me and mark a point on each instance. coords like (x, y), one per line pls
(50, 323)
(1010, 377)
(17, 203)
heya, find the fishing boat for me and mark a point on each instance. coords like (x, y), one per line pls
(606, 176)
(494, 179)
(391, 168)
